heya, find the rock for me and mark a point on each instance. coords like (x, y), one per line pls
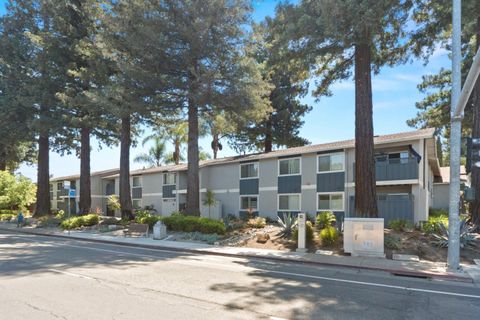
(262, 237)
(405, 257)
(324, 252)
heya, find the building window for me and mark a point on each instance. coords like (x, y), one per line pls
(137, 181)
(289, 202)
(51, 187)
(249, 170)
(330, 202)
(288, 167)
(398, 157)
(169, 178)
(137, 204)
(59, 186)
(248, 203)
(331, 162)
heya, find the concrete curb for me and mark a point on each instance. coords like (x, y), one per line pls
(401, 272)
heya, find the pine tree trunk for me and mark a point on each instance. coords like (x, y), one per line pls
(365, 186)
(193, 192)
(176, 156)
(3, 162)
(215, 145)
(43, 177)
(268, 135)
(476, 134)
(85, 204)
(125, 195)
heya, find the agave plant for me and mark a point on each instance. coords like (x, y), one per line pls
(287, 224)
(466, 236)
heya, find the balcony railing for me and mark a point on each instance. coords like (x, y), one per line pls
(395, 169)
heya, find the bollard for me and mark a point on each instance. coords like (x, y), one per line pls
(302, 219)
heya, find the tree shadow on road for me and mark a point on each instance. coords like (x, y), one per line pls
(26, 255)
(302, 298)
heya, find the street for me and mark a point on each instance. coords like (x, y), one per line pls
(53, 278)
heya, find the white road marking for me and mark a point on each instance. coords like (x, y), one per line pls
(376, 284)
(373, 284)
(76, 275)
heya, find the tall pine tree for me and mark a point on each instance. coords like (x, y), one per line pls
(344, 37)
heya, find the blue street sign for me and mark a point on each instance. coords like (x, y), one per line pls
(71, 193)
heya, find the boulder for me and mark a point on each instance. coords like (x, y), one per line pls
(262, 237)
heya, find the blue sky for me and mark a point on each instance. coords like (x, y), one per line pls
(332, 118)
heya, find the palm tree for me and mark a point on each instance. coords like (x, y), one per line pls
(155, 156)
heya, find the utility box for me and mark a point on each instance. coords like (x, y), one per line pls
(364, 237)
(159, 231)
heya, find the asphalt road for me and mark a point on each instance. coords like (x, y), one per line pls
(51, 278)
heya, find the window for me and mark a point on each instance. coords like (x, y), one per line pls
(331, 202)
(137, 204)
(289, 167)
(249, 170)
(59, 186)
(289, 202)
(248, 202)
(51, 187)
(137, 181)
(169, 178)
(331, 162)
(398, 157)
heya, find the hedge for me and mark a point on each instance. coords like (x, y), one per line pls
(80, 221)
(178, 222)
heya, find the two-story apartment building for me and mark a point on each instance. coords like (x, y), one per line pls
(307, 179)
(62, 197)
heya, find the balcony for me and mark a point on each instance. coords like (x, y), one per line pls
(390, 207)
(395, 169)
(65, 193)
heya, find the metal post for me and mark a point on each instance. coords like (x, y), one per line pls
(455, 138)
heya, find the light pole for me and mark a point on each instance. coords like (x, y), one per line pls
(453, 261)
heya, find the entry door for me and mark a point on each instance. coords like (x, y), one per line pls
(169, 206)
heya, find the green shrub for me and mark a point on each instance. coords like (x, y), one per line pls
(232, 222)
(432, 225)
(309, 233)
(178, 222)
(432, 212)
(16, 191)
(105, 221)
(325, 219)
(7, 216)
(257, 222)
(80, 221)
(393, 242)
(8, 211)
(91, 219)
(60, 215)
(150, 220)
(400, 225)
(287, 224)
(329, 236)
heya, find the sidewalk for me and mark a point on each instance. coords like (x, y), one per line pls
(422, 269)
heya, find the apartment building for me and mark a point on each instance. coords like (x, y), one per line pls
(307, 179)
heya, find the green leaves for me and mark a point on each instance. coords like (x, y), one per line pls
(16, 191)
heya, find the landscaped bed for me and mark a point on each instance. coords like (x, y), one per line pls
(401, 237)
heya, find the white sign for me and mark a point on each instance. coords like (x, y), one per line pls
(66, 185)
